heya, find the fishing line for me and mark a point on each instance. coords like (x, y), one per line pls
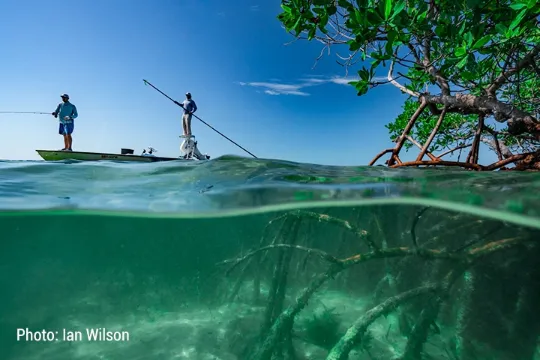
(177, 103)
(25, 112)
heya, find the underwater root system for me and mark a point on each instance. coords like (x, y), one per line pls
(424, 300)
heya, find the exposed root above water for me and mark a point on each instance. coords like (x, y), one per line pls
(527, 160)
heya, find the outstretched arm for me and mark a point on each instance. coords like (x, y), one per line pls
(55, 113)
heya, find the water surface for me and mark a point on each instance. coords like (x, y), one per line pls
(227, 260)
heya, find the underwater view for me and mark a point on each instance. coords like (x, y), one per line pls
(248, 259)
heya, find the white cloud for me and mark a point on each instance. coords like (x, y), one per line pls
(274, 88)
(342, 81)
(254, 8)
(278, 88)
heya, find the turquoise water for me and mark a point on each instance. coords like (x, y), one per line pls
(256, 259)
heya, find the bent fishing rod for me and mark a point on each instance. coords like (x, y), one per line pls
(204, 122)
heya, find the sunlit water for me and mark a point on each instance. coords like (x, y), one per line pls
(420, 264)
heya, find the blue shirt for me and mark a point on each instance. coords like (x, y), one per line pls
(66, 109)
(189, 106)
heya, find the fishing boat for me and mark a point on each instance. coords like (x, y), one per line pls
(125, 155)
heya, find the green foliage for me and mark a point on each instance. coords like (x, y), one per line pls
(467, 36)
(466, 44)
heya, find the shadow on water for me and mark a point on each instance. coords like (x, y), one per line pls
(372, 282)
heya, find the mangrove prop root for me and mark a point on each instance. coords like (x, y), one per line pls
(413, 226)
(509, 160)
(354, 334)
(406, 131)
(460, 147)
(473, 154)
(306, 240)
(244, 272)
(441, 163)
(497, 146)
(260, 260)
(432, 135)
(270, 313)
(494, 246)
(240, 281)
(420, 330)
(283, 275)
(464, 303)
(432, 254)
(276, 296)
(283, 228)
(344, 224)
(524, 161)
(530, 162)
(431, 156)
(324, 255)
(284, 323)
(495, 228)
(389, 279)
(419, 333)
(379, 155)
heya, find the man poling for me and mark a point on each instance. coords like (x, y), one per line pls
(189, 145)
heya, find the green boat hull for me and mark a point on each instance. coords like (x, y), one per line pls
(58, 155)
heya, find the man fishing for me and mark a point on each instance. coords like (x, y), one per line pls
(66, 112)
(189, 108)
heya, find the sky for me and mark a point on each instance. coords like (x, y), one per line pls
(231, 55)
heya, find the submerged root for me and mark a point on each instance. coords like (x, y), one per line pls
(354, 334)
(276, 336)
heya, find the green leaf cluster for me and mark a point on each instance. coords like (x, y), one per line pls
(465, 42)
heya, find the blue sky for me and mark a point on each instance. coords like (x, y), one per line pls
(230, 55)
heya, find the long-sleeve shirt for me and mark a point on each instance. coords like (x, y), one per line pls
(189, 106)
(66, 109)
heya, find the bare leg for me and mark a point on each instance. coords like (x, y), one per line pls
(69, 141)
(66, 143)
